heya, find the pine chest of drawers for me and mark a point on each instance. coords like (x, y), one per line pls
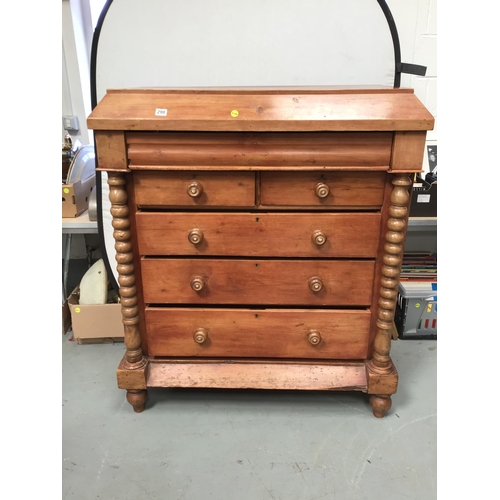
(259, 234)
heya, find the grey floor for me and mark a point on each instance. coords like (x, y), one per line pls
(246, 445)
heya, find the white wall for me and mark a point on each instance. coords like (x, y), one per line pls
(76, 44)
(416, 21)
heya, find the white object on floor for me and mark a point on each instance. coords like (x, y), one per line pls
(94, 285)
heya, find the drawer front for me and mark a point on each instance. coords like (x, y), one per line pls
(266, 282)
(272, 149)
(200, 189)
(328, 189)
(259, 235)
(271, 333)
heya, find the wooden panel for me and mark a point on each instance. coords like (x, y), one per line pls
(345, 189)
(220, 189)
(259, 234)
(256, 112)
(270, 90)
(111, 151)
(239, 375)
(254, 149)
(131, 379)
(408, 152)
(385, 216)
(258, 333)
(382, 383)
(267, 282)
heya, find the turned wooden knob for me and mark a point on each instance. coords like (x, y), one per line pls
(197, 283)
(195, 189)
(195, 236)
(321, 190)
(200, 335)
(315, 284)
(314, 337)
(319, 237)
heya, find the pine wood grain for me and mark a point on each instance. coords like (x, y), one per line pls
(346, 188)
(258, 375)
(265, 282)
(280, 269)
(408, 151)
(258, 235)
(258, 333)
(201, 111)
(235, 189)
(360, 149)
(111, 151)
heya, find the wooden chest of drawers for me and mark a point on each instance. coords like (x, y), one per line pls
(259, 234)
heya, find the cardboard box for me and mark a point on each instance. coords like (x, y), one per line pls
(424, 199)
(66, 317)
(95, 323)
(75, 197)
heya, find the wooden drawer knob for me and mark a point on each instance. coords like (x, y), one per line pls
(200, 335)
(197, 283)
(321, 190)
(319, 237)
(314, 337)
(315, 284)
(195, 236)
(195, 189)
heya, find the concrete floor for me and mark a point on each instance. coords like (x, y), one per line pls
(246, 445)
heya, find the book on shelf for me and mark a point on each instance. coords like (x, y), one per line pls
(419, 266)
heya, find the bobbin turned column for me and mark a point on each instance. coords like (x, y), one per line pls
(132, 370)
(381, 373)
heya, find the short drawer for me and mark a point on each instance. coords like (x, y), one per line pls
(266, 333)
(327, 189)
(199, 189)
(266, 282)
(258, 234)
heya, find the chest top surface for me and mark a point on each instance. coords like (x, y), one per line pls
(261, 110)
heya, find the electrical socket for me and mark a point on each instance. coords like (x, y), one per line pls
(70, 122)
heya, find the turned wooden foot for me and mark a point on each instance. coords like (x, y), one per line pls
(380, 405)
(137, 398)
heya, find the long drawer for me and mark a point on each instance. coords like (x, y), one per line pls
(260, 235)
(267, 333)
(266, 282)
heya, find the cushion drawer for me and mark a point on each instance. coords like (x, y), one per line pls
(327, 189)
(266, 282)
(266, 333)
(262, 149)
(258, 234)
(157, 188)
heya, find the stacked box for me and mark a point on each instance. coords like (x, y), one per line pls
(95, 323)
(424, 199)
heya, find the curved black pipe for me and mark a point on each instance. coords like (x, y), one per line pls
(93, 53)
(93, 101)
(395, 42)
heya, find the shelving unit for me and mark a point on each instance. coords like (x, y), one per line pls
(421, 237)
